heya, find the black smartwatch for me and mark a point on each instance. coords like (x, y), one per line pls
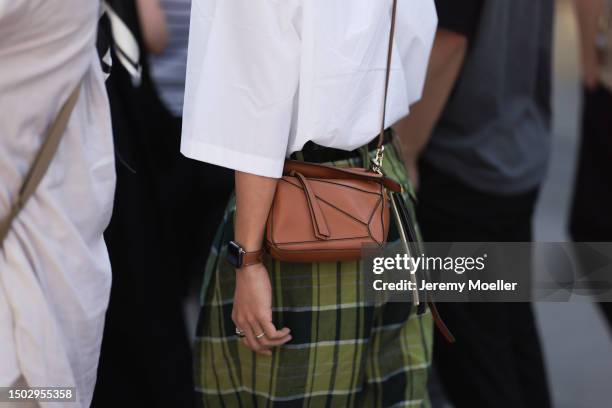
(239, 258)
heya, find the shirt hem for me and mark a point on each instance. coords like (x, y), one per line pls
(232, 159)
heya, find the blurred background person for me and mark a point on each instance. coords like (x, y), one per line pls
(154, 245)
(193, 193)
(477, 145)
(54, 270)
(591, 218)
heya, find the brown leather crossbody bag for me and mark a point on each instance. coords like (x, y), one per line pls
(326, 213)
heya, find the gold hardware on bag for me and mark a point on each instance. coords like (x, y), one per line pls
(377, 161)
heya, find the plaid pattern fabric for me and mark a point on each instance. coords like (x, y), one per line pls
(345, 352)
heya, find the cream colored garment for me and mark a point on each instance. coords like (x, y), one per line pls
(266, 76)
(54, 268)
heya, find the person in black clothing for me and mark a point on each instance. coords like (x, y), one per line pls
(590, 219)
(477, 146)
(154, 249)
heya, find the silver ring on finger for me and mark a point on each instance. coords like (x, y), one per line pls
(240, 333)
(259, 336)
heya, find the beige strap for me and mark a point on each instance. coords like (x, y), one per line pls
(41, 162)
(381, 137)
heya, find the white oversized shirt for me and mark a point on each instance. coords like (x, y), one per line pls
(266, 76)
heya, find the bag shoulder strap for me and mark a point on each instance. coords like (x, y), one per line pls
(381, 137)
(41, 161)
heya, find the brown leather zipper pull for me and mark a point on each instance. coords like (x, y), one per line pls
(321, 230)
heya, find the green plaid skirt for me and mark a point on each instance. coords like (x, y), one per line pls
(344, 352)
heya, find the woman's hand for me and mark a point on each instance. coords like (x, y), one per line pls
(252, 311)
(589, 13)
(591, 69)
(154, 26)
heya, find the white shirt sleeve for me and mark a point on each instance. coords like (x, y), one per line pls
(242, 76)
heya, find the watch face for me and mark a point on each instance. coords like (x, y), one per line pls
(234, 254)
